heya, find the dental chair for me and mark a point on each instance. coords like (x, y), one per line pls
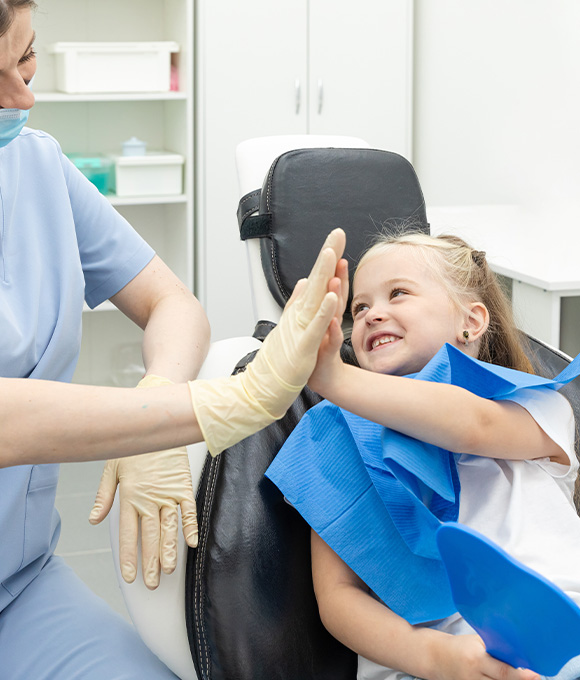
(241, 606)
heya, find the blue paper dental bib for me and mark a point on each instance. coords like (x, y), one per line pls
(377, 497)
(327, 469)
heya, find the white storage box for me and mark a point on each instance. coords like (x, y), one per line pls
(104, 67)
(154, 174)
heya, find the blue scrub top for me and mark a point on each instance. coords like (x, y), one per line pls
(61, 242)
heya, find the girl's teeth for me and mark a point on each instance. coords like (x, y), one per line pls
(382, 341)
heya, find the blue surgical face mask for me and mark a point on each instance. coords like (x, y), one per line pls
(11, 123)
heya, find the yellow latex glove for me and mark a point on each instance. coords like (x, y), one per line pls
(230, 409)
(151, 488)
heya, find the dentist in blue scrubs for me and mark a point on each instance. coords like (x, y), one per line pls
(61, 242)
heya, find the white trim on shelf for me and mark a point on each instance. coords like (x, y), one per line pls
(146, 200)
(64, 98)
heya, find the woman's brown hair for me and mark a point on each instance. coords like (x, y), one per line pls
(7, 9)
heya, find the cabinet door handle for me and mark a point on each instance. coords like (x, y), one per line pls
(297, 95)
(320, 95)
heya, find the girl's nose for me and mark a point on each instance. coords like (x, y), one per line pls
(375, 315)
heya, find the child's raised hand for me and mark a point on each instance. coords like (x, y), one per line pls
(329, 364)
(463, 657)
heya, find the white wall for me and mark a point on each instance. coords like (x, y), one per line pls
(496, 100)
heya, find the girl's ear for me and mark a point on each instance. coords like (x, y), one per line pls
(476, 322)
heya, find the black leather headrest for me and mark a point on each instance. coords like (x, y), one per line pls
(309, 192)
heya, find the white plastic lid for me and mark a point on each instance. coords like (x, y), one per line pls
(134, 147)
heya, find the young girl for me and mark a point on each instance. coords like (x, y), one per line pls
(514, 458)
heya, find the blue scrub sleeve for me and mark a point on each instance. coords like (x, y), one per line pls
(112, 252)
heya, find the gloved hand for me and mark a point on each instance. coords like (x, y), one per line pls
(151, 488)
(230, 409)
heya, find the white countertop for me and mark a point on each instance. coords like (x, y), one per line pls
(529, 246)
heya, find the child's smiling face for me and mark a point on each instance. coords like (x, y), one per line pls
(402, 313)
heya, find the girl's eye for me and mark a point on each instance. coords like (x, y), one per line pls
(397, 292)
(359, 308)
(27, 57)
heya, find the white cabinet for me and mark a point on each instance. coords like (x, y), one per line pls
(360, 71)
(287, 67)
(99, 123)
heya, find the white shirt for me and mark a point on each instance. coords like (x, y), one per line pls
(525, 506)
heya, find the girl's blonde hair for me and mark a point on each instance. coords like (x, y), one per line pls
(465, 273)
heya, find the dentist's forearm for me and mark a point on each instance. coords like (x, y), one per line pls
(176, 354)
(176, 330)
(47, 422)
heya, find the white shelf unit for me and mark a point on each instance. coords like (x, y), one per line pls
(99, 123)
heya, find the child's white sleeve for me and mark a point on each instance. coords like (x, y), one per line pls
(554, 415)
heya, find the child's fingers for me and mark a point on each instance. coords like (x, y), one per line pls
(329, 349)
(342, 274)
(334, 286)
(335, 336)
(493, 668)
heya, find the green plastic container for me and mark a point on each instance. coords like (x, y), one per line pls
(96, 167)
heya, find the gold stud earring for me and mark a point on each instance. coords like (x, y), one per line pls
(466, 337)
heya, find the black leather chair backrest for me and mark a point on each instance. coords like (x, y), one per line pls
(250, 605)
(309, 192)
(253, 615)
(251, 610)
